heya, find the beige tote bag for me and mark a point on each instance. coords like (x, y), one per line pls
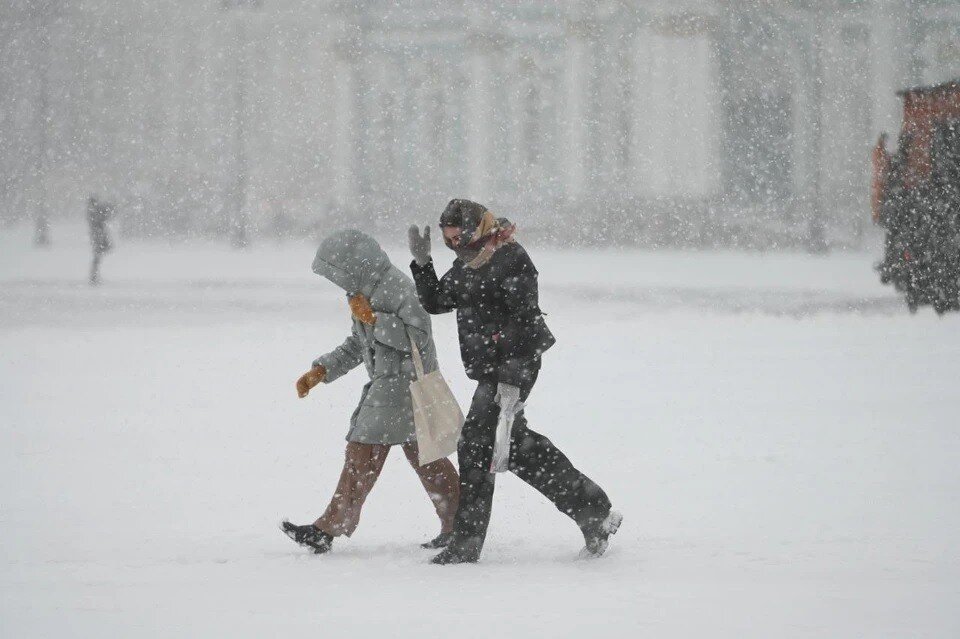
(436, 413)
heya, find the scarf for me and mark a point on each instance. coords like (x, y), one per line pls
(491, 234)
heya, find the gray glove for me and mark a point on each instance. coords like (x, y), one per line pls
(419, 246)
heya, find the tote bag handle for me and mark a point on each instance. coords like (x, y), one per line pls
(417, 360)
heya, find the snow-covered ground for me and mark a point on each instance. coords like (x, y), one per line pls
(782, 437)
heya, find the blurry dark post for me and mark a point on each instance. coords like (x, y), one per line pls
(41, 236)
(240, 222)
(816, 230)
(239, 236)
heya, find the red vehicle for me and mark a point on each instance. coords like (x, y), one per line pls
(915, 195)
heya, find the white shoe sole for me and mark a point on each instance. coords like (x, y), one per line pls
(610, 525)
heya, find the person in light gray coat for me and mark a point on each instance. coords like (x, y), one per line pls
(386, 316)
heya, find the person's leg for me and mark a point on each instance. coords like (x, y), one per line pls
(361, 468)
(95, 268)
(441, 482)
(474, 453)
(538, 462)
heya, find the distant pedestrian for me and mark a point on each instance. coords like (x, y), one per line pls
(98, 213)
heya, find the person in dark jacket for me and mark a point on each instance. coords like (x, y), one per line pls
(98, 214)
(493, 287)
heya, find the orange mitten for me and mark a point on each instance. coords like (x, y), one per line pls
(310, 379)
(360, 307)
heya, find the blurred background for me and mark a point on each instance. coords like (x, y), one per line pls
(659, 123)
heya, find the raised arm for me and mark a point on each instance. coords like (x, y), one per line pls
(435, 294)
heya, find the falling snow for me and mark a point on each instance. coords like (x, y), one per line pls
(745, 224)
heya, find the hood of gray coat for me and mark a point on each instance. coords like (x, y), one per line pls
(352, 260)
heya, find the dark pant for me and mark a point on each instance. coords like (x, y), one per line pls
(95, 267)
(533, 458)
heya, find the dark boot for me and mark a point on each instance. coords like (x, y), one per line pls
(440, 541)
(308, 535)
(597, 533)
(451, 555)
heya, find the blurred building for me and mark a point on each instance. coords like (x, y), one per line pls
(680, 122)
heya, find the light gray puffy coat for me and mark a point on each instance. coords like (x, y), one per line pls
(355, 262)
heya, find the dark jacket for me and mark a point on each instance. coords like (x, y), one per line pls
(98, 214)
(502, 330)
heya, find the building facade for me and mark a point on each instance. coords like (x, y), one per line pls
(684, 123)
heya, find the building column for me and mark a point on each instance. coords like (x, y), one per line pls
(890, 55)
(676, 109)
(344, 135)
(479, 111)
(809, 125)
(577, 156)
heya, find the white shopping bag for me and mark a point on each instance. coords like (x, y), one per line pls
(500, 462)
(436, 413)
